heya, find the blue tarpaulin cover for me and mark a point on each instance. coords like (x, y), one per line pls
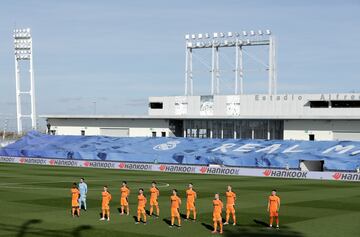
(337, 155)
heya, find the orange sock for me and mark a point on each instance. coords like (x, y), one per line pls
(221, 227)
(158, 210)
(127, 210)
(151, 210)
(179, 220)
(234, 218)
(138, 216)
(194, 214)
(277, 220)
(122, 209)
(187, 213)
(172, 220)
(108, 214)
(103, 213)
(271, 220)
(215, 225)
(227, 217)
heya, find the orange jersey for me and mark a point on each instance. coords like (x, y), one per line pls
(274, 202)
(154, 193)
(141, 200)
(218, 206)
(106, 198)
(175, 201)
(75, 194)
(191, 195)
(230, 198)
(124, 192)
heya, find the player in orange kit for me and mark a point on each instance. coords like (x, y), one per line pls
(125, 192)
(154, 194)
(230, 203)
(141, 207)
(175, 205)
(75, 195)
(105, 208)
(217, 218)
(190, 202)
(273, 208)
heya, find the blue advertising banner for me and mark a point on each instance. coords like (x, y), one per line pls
(337, 155)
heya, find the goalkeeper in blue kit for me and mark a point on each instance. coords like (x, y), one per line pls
(83, 192)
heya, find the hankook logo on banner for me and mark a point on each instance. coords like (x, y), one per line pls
(285, 174)
(346, 176)
(177, 168)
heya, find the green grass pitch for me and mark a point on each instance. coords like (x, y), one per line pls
(35, 201)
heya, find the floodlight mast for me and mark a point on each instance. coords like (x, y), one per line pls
(231, 39)
(23, 51)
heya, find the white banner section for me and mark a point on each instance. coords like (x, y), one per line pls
(188, 169)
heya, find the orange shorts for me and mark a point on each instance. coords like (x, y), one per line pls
(274, 213)
(153, 202)
(141, 209)
(175, 212)
(75, 203)
(190, 205)
(230, 209)
(217, 217)
(105, 207)
(124, 202)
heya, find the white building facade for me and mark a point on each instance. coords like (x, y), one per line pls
(252, 116)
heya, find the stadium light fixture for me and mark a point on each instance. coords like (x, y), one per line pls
(23, 52)
(239, 40)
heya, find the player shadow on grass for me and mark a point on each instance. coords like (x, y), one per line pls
(259, 222)
(29, 228)
(207, 226)
(260, 229)
(167, 221)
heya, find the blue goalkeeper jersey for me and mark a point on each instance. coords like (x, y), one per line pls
(83, 189)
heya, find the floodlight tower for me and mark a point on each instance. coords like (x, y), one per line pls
(237, 40)
(24, 52)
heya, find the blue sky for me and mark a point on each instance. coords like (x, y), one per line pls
(118, 53)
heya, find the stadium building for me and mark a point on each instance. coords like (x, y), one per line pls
(287, 116)
(232, 115)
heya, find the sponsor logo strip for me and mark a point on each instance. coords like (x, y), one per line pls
(275, 173)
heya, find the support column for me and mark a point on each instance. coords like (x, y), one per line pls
(188, 71)
(272, 67)
(213, 72)
(217, 71)
(32, 93)
(18, 97)
(238, 69)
